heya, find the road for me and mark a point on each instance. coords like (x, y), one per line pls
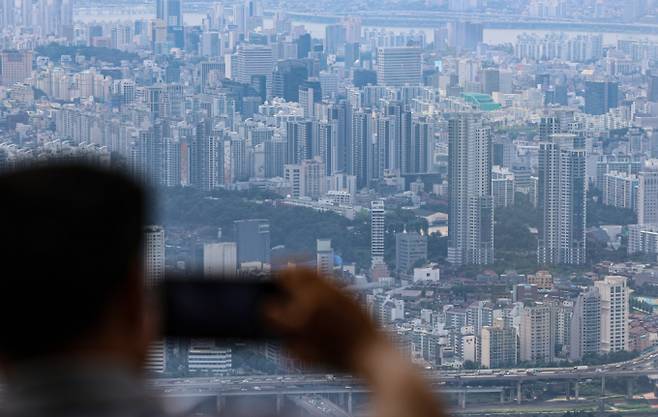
(442, 380)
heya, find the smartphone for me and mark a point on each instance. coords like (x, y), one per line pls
(198, 307)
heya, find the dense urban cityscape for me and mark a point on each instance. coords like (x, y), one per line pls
(482, 175)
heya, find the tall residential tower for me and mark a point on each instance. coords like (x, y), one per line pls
(470, 223)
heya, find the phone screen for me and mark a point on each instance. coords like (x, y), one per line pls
(209, 308)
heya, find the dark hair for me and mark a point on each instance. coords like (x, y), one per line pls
(69, 235)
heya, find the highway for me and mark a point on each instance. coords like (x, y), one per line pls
(442, 380)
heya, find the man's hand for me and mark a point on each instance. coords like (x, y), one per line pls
(325, 326)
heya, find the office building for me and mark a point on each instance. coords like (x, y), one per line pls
(614, 292)
(601, 96)
(585, 334)
(252, 237)
(16, 66)
(647, 194)
(287, 78)
(470, 221)
(398, 66)
(490, 80)
(154, 254)
(324, 257)
(498, 346)
(536, 334)
(562, 200)
(254, 60)
(220, 259)
(377, 231)
(410, 250)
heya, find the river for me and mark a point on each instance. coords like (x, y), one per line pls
(491, 36)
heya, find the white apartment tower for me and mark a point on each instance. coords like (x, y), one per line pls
(377, 229)
(647, 195)
(536, 334)
(613, 291)
(470, 223)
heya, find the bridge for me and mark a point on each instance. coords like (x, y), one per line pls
(430, 19)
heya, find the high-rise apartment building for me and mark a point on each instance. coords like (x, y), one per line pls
(7, 13)
(502, 186)
(252, 237)
(643, 238)
(310, 92)
(498, 346)
(647, 195)
(470, 222)
(398, 66)
(377, 231)
(562, 199)
(614, 313)
(170, 12)
(206, 157)
(334, 38)
(536, 334)
(16, 66)
(154, 254)
(324, 257)
(55, 17)
(465, 36)
(620, 190)
(585, 334)
(299, 138)
(220, 259)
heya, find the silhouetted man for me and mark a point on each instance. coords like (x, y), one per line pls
(77, 324)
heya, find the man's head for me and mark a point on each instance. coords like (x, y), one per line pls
(70, 251)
